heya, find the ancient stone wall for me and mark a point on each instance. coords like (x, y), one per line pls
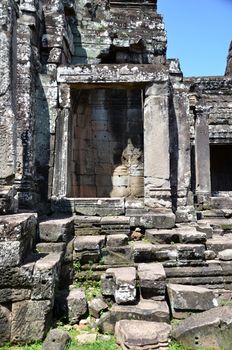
(96, 123)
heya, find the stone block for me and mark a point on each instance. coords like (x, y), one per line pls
(17, 237)
(147, 252)
(190, 298)
(225, 255)
(11, 295)
(145, 310)
(17, 277)
(86, 338)
(152, 280)
(100, 207)
(57, 339)
(135, 335)
(30, 320)
(56, 230)
(120, 283)
(46, 276)
(158, 220)
(71, 305)
(209, 329)
(116, 256)
(97, 306)
(95, 243)
(219, 243)
(179, 235)
(5, 325)
(8, 201)
(49, 247)
(116, 240)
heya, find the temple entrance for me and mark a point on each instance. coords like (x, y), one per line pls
(106, 148)
(221, 168)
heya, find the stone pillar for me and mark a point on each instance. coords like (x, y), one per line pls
(202, 153)
(60, 176)
(157, 193)
(181, 163)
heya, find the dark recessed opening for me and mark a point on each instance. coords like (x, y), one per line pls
(221, 167)
(106, 149)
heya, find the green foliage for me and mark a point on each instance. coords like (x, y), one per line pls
(97, 345)
(86, 280)
(35, 346)
(175, 346)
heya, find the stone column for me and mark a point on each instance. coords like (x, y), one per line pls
(202, 153)
(157, 193)
(181, 163)
(60, 178)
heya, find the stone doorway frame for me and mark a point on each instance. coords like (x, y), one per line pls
(154, 79)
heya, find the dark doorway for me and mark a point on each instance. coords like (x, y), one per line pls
(221, 167)
(107, 143)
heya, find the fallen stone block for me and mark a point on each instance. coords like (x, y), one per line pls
(120, 283)
(77, 305)
(57, 339)
(136, 335)
(211, 329)
(56, 230)
(96, 306)
(152, 280)
(190, 298)
(71, 305)
(86, 338)
(145, 310)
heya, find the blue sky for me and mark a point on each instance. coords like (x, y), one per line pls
(199, 33)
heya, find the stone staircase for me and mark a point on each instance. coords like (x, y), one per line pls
(148, 273)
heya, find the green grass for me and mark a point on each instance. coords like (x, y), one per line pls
(35, 346)
(97, 345)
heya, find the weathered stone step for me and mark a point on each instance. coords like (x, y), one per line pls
(56, 229)
(219, 243)
(107, 225)
(159, 219)
(112, 249)
(99, 206)
(148, 252)
(176, 235)
(225, 224)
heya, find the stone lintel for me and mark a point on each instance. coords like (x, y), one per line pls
(112, 73)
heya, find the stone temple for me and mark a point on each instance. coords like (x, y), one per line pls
(102, 140)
